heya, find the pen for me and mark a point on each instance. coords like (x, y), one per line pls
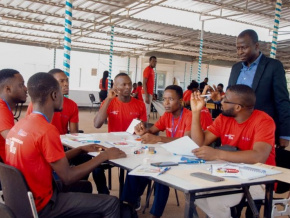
(164, 170)
(90, 141)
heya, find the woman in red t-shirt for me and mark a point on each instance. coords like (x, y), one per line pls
(103, 86)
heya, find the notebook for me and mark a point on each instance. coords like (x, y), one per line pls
(243, 171)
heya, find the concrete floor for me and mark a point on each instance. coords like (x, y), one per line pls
(172, 210)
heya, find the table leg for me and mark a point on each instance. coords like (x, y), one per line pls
(121, 181)
(268, 200)
(190, 209)
(251, 202)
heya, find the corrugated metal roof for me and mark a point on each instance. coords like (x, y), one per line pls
(41, 22)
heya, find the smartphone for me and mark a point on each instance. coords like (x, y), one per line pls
(164, 164)
(207, 177)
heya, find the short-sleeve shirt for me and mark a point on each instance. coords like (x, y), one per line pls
(182, 126)
(121, 114)
(139, 90)
(31, 145)
(187, 95)
(6, 123)
(149, 74)
(101, 85)
(205, 118)
(69, 114)
(259, 127)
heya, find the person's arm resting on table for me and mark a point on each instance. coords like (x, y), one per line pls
(69, 174)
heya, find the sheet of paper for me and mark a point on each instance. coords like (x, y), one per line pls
(146, 170)
(132, 126)
(181, 146)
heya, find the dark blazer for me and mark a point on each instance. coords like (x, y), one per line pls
(271, 91)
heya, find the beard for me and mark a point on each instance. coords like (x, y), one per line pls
(58, 109)
(229, 113)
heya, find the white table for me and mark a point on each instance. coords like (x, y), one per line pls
(179, 176)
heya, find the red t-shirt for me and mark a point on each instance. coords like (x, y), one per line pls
(31, 145)
(182, 126)
(101, 86)
(150, 75)
(6, 123)
(260, 127)
(121, 114)
(187, 95)
(139, 90)
(69, 113)
(205, 118)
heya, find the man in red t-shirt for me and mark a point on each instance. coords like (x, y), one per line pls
(68, 118)
(33, 146)
(239, 125)
(119, 107)
(139, 91)
(148, 83)
(12, 92)
(176, 121)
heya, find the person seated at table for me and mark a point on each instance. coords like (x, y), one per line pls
(33, 146)
(251, 131)
(139, 91)
(177, 123)
(66, 121)
(133, 93)
(119, 107)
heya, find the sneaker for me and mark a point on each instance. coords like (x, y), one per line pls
(138, 204)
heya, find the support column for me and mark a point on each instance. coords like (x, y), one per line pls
(276, 28)
(54, 57)
(67, 37)
(200, 53)
(190, 77)
(111, 57)
(184, 85)
(128, 70)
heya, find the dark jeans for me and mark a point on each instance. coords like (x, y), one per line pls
(134, 188)
(75, 205)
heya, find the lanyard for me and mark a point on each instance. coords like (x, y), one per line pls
(37, 112)
(7, 104)
(173, 131)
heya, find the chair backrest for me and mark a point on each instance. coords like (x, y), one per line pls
(92, 97)
(15, 191)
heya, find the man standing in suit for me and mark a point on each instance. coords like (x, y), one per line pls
(266, 76)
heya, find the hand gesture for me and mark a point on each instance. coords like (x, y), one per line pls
(114, 153)
(283, 143)
(147, 98)
(140, 129)
(196, 102)
(93, 148)
(215, 94)
(149, 138)
(206, 153)
(112, 93)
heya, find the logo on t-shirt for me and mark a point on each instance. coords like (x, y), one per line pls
(114, 112)
(246, 139)
(22, 133)
(229, 136)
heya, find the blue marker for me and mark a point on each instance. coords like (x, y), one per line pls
(90, 141)
(164, 170)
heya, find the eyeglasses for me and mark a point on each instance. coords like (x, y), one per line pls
(228, 102)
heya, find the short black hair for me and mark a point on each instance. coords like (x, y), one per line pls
(177, 89)
(55, 71)
(122, 74)
(246, 94)
(251, 33)
(40, 85)
(152, 57)
(6, 74)
(139, 83)
(193, 85)
(222, 85)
